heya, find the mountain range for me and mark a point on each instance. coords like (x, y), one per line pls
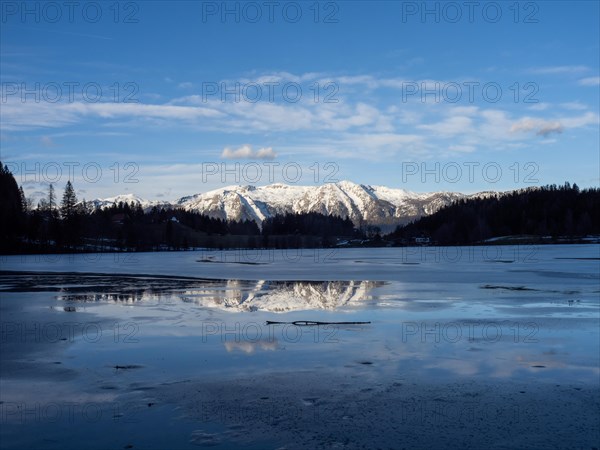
(363, 204)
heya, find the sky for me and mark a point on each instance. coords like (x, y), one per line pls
(167, 99)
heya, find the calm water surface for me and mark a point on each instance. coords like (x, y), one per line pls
(89, 341)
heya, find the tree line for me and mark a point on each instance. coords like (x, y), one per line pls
(553, 211)
(68, 225)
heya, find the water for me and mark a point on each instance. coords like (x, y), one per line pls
(481, 346)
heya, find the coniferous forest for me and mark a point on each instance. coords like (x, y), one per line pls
(61, 223)
(549, 211)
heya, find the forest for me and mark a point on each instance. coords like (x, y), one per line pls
(68, 225)
(65, 224)
(548, 211)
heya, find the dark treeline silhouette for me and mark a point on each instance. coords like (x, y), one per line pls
(67, 225)
(556, 211)
(12, 208)
(306, 230)
(310, 224)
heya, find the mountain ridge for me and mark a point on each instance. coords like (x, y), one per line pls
(363, 204)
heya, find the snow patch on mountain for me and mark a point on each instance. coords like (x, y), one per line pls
(363, 204)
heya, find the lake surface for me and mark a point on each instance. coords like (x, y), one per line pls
(473, 347)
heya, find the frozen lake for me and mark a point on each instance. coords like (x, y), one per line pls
(476, 347)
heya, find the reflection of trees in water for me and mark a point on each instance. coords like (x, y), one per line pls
(238, 295)
(129, 297)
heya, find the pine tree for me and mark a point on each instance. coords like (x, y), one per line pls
(12, 218)
(51, 198)
(24, 203)
(69, 202)
(82, 208)
(50, 204)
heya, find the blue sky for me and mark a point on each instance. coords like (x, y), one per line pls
(406, 98)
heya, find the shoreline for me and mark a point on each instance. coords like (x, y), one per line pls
(492, 242)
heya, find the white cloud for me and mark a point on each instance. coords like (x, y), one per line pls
(539, 106)
(46, 141)
(539, 126)
(544, 128)
(551, 70)
(548, 141)
(365, 80)
(385, 139)
(463, 111)
(357, 126)
(246, 152)
(279, 77)
(266, 153)
(375, 146)
(450, 126)
(549, 128)
(575, 106)
(245, 117)
(110, 110)
(588, 118)
(462, 148)
(18, 115)
(590, 81)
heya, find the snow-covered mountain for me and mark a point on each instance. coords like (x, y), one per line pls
(126, 198)
(363, 204)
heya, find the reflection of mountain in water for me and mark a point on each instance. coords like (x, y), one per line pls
(230, 295)
(281, 296)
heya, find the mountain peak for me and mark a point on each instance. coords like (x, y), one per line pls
(363, 204)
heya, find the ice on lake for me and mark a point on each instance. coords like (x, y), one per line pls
(178, 340)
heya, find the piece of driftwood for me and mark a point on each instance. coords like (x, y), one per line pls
(308, 323)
